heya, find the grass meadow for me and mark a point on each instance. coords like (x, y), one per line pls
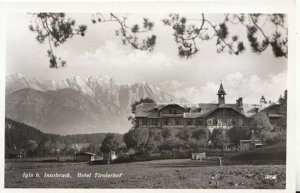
(177, 173)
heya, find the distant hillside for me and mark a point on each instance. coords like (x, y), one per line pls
(19, 135)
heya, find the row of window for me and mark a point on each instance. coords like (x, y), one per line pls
(220, 122)
(210, 122)
(172, 111)
(176, 111)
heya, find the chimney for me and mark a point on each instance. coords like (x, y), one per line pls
(239, 102)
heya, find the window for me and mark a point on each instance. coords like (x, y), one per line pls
(209, 122)
(200, 122)
(229, 122)
(144, 122)
(240, 122)
(166, 121)
(189, 122)
(233, 122)
(220, 122)
(215, 122)
(177, 122)
(154, 122)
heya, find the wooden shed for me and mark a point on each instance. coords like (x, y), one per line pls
(198, 156)
(84, 157)
(250, 144)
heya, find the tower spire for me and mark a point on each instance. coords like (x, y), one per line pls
(221, 94)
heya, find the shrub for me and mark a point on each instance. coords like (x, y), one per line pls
(271, 138)
(201, 133)
(236, 134)
(184, 134)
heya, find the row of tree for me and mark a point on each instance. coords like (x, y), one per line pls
(20, 137)
(193, 140)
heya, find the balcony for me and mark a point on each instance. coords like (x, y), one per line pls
(172, 115)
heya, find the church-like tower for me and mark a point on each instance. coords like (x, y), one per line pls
(262, 100)
(221, 95)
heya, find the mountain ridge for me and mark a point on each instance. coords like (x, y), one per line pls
(76, 105)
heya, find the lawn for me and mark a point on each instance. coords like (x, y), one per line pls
(181, 173)
(268, 153)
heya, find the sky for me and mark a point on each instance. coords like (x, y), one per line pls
(101, 52)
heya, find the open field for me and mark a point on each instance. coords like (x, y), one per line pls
(181, 173)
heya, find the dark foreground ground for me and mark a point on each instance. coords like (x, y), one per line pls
(181, 173)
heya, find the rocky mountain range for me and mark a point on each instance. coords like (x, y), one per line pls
(76, 105)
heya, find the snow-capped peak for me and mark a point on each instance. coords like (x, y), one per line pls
(103, 88)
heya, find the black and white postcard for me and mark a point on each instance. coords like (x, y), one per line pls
(132, 98)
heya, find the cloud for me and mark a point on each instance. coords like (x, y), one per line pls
(114, 53)
(124, 63)
(252, 87)
(236, 85)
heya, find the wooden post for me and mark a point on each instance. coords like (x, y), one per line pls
(58, 150)
(109, 157)
(220, 161)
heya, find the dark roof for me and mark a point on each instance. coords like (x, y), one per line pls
(221, 90)
(227, 106)
(173, 104)
(85, 153)
(151, 109)
(207, 107)
(144, 109)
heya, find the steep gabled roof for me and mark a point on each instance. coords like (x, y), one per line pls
(207, 107)
(143, 109)
(227, 106)
(252, 109)
(173, 104)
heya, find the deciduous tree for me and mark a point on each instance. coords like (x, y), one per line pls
(236, 134)
(110, 143)
(136, 138)
(218, 138)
